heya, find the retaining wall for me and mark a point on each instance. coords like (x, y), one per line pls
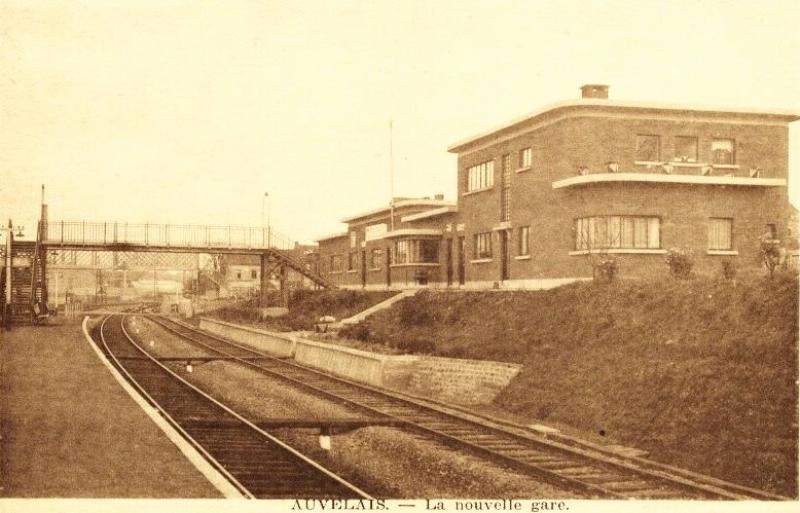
(273, 343)
(445, 379)
(460, 381)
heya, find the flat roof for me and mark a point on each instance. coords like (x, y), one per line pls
(420, 202)
(331, 236)
(777, 114)
(429, 213)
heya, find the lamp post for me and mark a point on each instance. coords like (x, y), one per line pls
(265, 202)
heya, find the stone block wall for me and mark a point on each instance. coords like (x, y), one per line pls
(465, 382)
(458, 381)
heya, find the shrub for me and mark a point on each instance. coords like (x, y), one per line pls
(680, 263)
(605, 270)
(414, 313)
(360, 331)
(728, 270)
(770, 254)
(416, 345)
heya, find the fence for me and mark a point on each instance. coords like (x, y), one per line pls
(83, 233)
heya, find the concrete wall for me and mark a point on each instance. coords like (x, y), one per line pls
(273, 343)
(361, 366)
(444, 379)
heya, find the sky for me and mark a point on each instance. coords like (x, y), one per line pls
(178, 111)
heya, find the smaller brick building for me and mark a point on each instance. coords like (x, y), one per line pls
(541, 197)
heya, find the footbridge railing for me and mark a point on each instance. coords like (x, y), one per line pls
(147, 235)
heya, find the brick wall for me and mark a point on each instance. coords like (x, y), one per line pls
(562, 146)
(566, 138)
(458, 381)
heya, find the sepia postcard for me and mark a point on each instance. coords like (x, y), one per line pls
(401, 256)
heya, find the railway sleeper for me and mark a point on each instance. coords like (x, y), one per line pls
(628, 485)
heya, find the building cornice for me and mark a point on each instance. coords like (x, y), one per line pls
(429, 213)
(398, 205)
(588, 179)
(331, 236)
(413, 232)
(614, 109)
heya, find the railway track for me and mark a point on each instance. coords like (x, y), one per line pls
(255, 462)
(590, 472)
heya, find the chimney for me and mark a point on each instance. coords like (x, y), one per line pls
(439, 197)
(594, 91)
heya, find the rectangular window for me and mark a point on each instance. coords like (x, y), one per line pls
(375, 259)
(483, 245)
(480, 176)
(352, 257)
(254, 274)
(353, 239)
(525, 158)
(524, 240)
(722, 152)
(238, 275)
(428, 251)
(506, 163)
(686, 149)
(648, 148)
(617, 232)
(336, 263)
(720, 234)
(416, 251)
(505, 197)
(401, 248)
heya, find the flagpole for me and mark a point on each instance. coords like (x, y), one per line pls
(391, 175)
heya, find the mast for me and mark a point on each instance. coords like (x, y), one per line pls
(391, 176)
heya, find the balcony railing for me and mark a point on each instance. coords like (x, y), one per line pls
(81, 233)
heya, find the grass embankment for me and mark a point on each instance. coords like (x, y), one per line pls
(305, 309)
(699, 373)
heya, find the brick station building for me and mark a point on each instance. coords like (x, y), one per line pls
(539, 198)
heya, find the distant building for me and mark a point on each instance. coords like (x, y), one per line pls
(242, 273)
(540, 196)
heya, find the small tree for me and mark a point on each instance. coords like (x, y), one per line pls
(604, 267)
(770, 254)
(729, 270)
(680, 263)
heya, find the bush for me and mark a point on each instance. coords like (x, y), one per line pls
(680, 263)
(414, 313)
(359, 331)
(770, 253)
(606, 270)
(416, 345)
(728, 270)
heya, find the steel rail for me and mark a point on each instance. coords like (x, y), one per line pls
(662, 476)
(318, 472)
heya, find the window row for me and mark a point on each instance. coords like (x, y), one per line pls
(416, 251)
(648, 149)
(482, 243)
(617, 232)
(481, 176)
(629, 232)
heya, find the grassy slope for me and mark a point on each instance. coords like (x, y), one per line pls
(307, 306)
(700, 373)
